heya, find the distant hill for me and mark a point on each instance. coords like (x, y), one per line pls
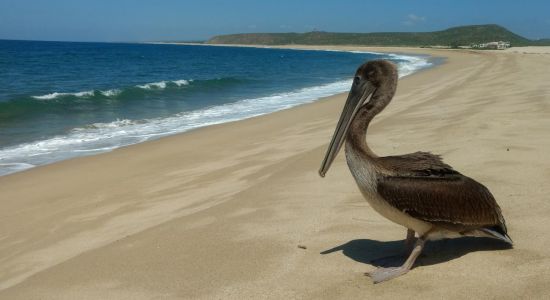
(541, 42)
(455, 36)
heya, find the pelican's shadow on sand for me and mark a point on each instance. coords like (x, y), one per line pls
(390, 253)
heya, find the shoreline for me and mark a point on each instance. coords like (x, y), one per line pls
(11, 167)
(219, 212)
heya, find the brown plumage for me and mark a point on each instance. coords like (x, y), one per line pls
(424, 187)
(417, 190)
(420, 164)
(454, 202)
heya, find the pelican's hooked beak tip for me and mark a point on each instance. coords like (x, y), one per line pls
(322, 174)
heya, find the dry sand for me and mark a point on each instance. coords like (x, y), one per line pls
(237, 211)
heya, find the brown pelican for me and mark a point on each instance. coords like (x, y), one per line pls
(417, 190)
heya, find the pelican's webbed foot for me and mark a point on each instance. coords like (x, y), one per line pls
(383, 274)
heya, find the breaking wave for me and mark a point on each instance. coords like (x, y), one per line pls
(114, 92)
(101, 137)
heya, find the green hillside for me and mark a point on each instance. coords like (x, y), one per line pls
(456, 36)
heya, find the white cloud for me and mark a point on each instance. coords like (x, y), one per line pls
(413, 19)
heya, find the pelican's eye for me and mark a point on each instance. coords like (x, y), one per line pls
(356, 80)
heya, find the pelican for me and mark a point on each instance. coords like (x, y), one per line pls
(418, 190)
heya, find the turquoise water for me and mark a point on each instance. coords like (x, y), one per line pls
(60, 100)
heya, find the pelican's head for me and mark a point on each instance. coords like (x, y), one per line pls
(369, 77)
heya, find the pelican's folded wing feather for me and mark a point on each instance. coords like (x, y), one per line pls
(454, 200)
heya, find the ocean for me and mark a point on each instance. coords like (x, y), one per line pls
(60, 100)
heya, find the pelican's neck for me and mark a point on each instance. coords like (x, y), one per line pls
(357, 134)
(356, 139)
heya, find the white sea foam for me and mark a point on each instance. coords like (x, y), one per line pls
(83, 94)
(163, 84)
(14, 167)
(110, 93)
(114, 124)
(57, 95)
(411, 64)
(113, 92)
(182, 82)
(407, 64)
(102, 137)
(157, 85)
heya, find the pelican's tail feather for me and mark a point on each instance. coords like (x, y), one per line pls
(497, 233)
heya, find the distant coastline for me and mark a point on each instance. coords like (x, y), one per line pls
(470, 36)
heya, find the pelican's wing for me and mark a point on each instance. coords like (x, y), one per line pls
(453, 200)
(422, 164)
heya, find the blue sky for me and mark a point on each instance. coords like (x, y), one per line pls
(137, 20)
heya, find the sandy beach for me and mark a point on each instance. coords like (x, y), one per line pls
(238, 211)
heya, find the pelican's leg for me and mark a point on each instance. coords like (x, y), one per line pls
(383, 274)
(395, 260)
(409, 241)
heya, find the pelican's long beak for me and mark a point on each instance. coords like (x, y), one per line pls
(358, 95)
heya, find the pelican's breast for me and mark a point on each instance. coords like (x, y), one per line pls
(365, 174)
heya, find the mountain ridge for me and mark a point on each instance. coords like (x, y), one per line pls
(451, 37)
